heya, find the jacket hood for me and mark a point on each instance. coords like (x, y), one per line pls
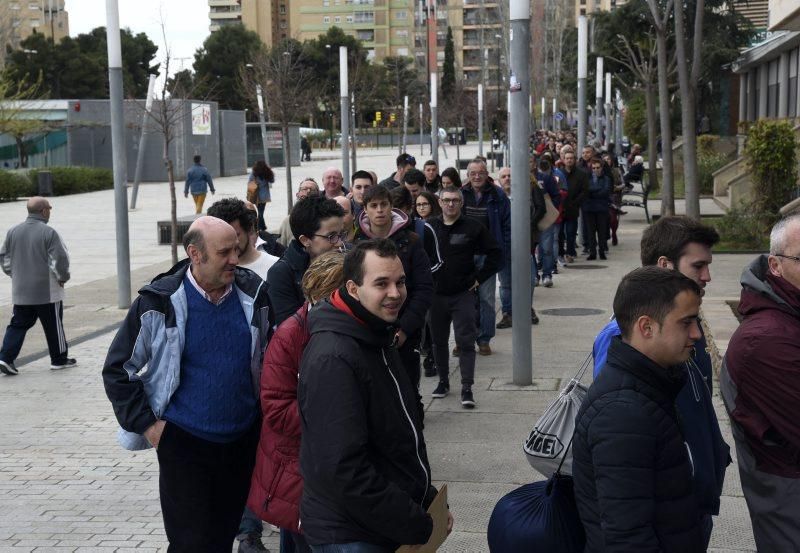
(760, 290)
(325, 317)
(399, 220)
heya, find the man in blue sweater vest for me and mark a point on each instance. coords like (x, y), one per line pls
(201, 330)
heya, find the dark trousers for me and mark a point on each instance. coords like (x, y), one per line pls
(460, 310)
(203, 487)
(293, 543)
(613, 221)
(262, 225)
(597, 227)
(562, 240)
(23, 318)
(571, 233)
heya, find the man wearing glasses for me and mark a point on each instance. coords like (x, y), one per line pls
(316, 224)
(35, 258)
(760, 385)
(488, 204)
(461, 240)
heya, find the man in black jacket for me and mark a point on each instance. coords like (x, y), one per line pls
(366, 476)
(632, 466)
(460, 240)
(316, 223)
(577, 190)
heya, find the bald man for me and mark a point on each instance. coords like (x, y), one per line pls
(35, 258)
(201, 330)
(332, 180)
(348, 225)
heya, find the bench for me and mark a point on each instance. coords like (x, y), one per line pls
(637, 198)
(165, 229)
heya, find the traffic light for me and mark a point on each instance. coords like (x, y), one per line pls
(392, 117)
(377, 116)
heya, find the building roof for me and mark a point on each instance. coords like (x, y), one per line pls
(774, 45)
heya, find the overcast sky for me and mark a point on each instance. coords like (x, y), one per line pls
(186, 23)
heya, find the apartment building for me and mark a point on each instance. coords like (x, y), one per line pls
(588, 7)
(21, 18)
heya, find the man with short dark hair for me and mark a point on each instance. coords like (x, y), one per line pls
(182, 375)
(380, 220)
(414, 181)
(683, 244)
(577, 190)
(461, 240)
(35, 258)
(359, 184)
(404, 163)
(198, 181)
(760, 384)
(317, 228)
(433, 182)
(366, 476)
(632, 466)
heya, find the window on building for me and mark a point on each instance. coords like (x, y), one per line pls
(365, 35)
(371, 55)
(35, 23)
(337, 19)
(402, 33)
(402, 51)
(772, 88)
(364, 17)
(282, 10)
(326, 19)
(401, 14)
(283, 24)
(33, 6)
(349, 19)
(14, 5)
(583, 11)
(326, 3)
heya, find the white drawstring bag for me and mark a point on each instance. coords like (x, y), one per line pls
(547, 446)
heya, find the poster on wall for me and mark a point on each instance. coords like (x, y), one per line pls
(201, 119)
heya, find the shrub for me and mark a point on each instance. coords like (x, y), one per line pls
(771, 151)
(13, 185)
(707, 163)
(706, 144)
(75, 180)
(743, 228)
(636, 120)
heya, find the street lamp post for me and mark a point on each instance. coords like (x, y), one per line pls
(583, 45)
(345, 103)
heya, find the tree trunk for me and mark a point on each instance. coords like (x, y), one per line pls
(668, 182)
(287, 161)
(688, 123)
(22, 152)
(173, 212)
(652, 132)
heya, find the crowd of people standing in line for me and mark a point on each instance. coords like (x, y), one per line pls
(329, 319)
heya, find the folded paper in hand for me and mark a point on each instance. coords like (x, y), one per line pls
(440, 513)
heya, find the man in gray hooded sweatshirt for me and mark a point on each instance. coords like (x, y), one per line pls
(35, 258)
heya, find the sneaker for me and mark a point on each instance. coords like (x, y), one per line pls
(456, 351)
(484, 349)
(555, 270)
(441, 390)
(252, 544)
(467, 401)
(547, 282)
(429, 366)
(536, 282)
(614, 241)
(7, 367)
(66, 364)
(505, 322)
(603, 256)
(562, 262)
(570, 258)
(591, 257)
(534, 317)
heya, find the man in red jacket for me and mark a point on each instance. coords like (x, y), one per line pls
(760, 384)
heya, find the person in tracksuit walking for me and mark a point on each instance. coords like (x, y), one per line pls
(35, 258)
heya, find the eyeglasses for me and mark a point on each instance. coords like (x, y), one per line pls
(333, 238)
(792, 257)
(423, 204)
(450, 201)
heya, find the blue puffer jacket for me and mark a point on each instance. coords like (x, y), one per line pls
(499, 210)
(153, 335)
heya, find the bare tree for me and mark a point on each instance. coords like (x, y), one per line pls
(660, 24)
(287, 81)
(17, 99)
(688, 88)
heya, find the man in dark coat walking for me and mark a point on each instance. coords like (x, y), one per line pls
(632, 466)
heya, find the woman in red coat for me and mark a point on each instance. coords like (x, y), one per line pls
(277, 485)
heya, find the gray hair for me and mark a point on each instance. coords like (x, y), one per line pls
(777, 237)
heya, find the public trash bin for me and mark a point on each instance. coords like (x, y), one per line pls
(45, 183)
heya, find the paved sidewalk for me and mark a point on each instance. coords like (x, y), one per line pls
(66, 486)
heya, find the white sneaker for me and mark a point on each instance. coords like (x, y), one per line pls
(547, 282)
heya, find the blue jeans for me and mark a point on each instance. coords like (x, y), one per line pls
(505, 284)
(571, 231)
(352, 547)
(548, 242)
(251, 525)
(487, 312)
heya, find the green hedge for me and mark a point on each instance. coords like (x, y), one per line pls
(13, 185)
(74, 180)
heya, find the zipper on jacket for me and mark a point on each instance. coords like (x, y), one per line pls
(413, 428)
